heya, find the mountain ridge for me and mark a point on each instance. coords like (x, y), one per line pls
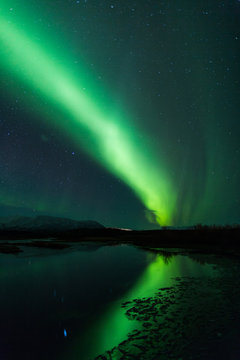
(44, 222)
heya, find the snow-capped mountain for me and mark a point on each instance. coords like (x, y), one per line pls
(46, 223)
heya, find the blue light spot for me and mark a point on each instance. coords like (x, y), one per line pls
(65, 332)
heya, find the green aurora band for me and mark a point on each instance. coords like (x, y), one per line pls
(111, 138)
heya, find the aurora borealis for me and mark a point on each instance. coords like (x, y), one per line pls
(117, 110)
(112, 140)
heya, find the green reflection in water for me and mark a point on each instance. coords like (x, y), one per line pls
(113, 326)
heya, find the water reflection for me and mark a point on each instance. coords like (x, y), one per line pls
(112, 326)
(67, 305)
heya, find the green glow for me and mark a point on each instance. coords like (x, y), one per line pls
(112, 141)
(113, 325)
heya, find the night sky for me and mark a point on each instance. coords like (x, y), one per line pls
(124, 112)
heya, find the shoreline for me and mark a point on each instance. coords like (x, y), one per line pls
(223, 241)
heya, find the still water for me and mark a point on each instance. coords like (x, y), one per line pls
(67, 304)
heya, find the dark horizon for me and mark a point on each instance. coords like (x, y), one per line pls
(10, 221)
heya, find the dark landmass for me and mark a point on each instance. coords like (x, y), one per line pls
(225, 240)
(45, 223)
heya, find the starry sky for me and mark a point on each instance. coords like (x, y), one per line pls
(125, 112)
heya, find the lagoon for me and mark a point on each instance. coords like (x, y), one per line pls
(67, 304)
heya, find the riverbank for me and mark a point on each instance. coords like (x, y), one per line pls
(195, 318)
(207, 240)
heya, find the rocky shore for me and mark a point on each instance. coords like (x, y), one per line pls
(196, 318)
